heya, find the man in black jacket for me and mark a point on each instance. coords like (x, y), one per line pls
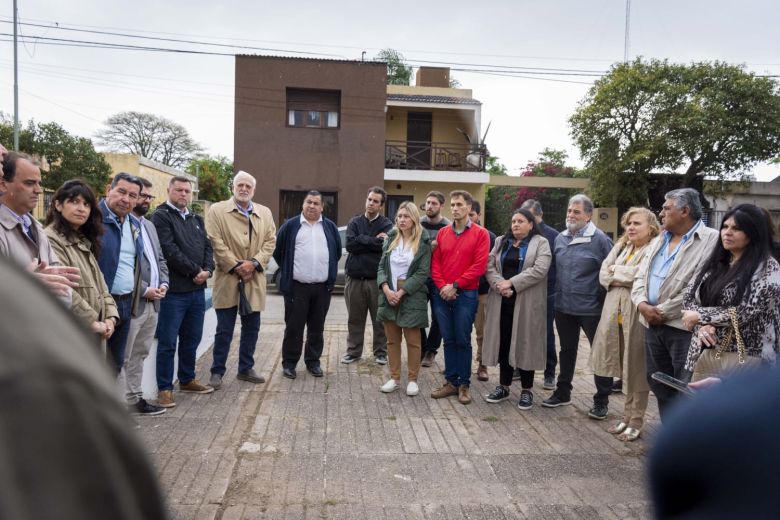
(187, 251)
(365, 236)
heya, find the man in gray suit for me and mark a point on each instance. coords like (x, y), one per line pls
(153, 287)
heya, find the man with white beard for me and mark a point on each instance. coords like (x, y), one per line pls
(579, 253)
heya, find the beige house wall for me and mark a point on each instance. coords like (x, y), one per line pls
(156, 173)
(420, 189)
(429, 91)
(445, 124)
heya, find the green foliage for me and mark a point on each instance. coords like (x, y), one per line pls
(398, 72)
(493, 167)
(214, 175)
(703, 119)
(501, 201)
(63, 156)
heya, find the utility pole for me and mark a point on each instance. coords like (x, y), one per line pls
(16, 80)
(626, 40)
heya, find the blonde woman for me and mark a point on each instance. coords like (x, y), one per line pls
(619, 344)
(403, 303)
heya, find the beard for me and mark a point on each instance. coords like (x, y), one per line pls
(573, 227)
(140, 209)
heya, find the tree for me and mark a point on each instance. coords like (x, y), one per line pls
(703, 119)
(150, 136)
(493, 167)
(63, 156)
(503, 200)
(398, 72)
(214, 176)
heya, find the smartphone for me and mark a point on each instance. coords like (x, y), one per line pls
(668, 380)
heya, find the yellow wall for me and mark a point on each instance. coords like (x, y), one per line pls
(429, 91)
(445, 124)
(420, 189)
(159, 176)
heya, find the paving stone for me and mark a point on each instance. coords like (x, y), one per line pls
(337, 448)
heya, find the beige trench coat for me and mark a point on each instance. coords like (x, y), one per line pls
(606, 358)
(228, 231)
(528, 346)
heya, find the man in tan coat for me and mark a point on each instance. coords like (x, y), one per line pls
(243, 236)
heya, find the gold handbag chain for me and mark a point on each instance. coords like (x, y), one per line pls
(733, 331)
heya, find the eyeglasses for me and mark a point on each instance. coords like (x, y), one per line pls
(146, 196)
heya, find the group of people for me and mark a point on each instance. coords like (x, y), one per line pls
(674, 297)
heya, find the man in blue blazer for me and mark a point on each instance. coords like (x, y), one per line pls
(121, 249)
(308, 249)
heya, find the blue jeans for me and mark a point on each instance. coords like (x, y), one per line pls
(181, 316)
(455, 319)
(226, 324)
(552, 355)
(116, 344)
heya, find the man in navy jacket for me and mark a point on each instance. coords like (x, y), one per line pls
(308, 249)
(121, 249)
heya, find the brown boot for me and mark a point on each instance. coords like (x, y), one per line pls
(165, 399)
(427, 359)
(195, 387)
(445, 391)
(482, 373)
(463, 394)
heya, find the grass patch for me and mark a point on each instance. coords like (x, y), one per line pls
(490, 418)
(391, 418)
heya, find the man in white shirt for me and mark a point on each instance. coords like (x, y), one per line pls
(308, 249)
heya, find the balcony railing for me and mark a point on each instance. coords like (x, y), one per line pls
(424, 155)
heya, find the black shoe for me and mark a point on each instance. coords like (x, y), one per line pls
(348, 358)
(617, 386)
(516, 375)
(289, 373)
(381, 359)
(498, 395)
(316, 371)
(251, 376)
(144, 408)
(598, 412)
(554, 401)
(526, 400)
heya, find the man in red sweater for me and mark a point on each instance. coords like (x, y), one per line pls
(458, 261)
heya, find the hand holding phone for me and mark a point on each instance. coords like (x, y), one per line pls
(675, 383)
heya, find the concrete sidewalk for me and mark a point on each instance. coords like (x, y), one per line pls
(336, 447)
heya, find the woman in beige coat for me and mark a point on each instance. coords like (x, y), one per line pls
(74, 225)
(516, 310)
(619, 344)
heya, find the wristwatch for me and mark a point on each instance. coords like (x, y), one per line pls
(455, 286)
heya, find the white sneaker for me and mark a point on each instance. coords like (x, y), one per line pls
(412, 388)
(390, 386)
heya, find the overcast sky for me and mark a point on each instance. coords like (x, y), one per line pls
(80, 87)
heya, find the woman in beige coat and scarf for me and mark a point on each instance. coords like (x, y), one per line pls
(74, 225)
(516, 311)
(619, 344)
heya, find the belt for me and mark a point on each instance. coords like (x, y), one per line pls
(122, 297)
(309, 283)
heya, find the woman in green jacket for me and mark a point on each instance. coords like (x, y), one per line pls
(403, 303)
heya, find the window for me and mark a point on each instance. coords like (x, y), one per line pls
(291, 204)
(309, 108)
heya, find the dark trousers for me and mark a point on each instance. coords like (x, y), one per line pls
(430, 342)
(666, 350)
(362, 297)
(506, 370)
(226, 324)
(456, 318)
(552, 355)
(116, 344)
(305, 306)
(603, 389)
(181, 317)
(569, 326)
